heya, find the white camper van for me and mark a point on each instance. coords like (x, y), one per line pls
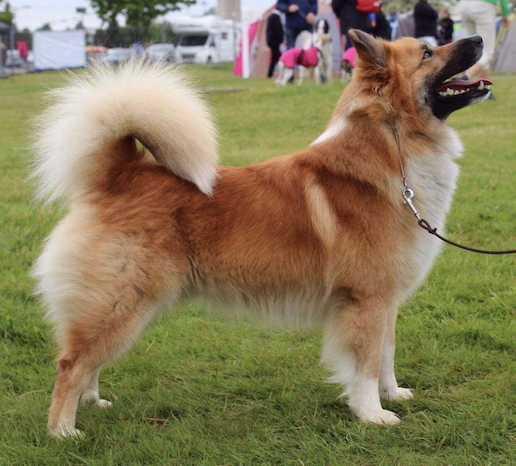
(208, 39)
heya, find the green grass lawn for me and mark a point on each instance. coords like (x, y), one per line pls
(241, 394)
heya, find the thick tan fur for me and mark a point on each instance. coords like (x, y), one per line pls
(320, 235)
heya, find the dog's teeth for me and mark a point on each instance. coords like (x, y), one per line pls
(449, 91)
(481, 86)
(456, 93)
(462, 91)
(488, 87)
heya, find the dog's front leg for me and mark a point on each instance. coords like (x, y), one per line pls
(280, 80)
(389, 389)
(352, 348)
(329, 71)
(317, 73)
(288, 73)
(344, 73)
(302, 71)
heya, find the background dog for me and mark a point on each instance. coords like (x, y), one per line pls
(304, 59)
(321, 235)
(322, 67)
(322, 40)
(348, 63)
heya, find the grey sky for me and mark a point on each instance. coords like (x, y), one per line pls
(61, 13)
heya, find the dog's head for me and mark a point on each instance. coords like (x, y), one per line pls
(321, 32)
(410, 76)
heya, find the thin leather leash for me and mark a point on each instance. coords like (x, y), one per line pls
(408, 195)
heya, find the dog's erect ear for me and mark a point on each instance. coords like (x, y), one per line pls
(370, 50)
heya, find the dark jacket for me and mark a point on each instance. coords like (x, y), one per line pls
(350, 17)
(297, 20)
(425, 18)
(274, 30)
(382, 28)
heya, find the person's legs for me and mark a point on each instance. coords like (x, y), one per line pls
(275, 56)
(291, 37)
(480, 18)
(466, 18)
(486, 28)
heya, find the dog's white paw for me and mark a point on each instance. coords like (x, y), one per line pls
(67, 432)
(382, 417)
(102, 404)
(92, 398)
(399, 393)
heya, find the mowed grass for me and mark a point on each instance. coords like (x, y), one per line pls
(234, 393)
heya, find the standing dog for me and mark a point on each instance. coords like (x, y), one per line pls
(297, 56)
(322, 40)
(320, 235)
(317, 57)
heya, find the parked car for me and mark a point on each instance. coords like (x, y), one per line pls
(116, 56)
(13, 59)
(163, 52)
(94, 53)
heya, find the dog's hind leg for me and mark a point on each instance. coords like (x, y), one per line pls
(101, 291)
(388, 385)
(352, 348)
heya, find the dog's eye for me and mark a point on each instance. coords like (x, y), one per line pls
(427, 54)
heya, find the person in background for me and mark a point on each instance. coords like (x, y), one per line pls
(138, 48)
(425, 19)
(3, 59)
(23, 51)
(351, 18)
(479, 17)
(444, 28)
(300, 15)
(274, 39)
(382, 28)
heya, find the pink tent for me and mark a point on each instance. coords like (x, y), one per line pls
(259, 53)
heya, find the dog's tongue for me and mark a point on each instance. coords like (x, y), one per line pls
(460, 85)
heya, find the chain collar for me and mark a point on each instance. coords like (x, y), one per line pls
(407, 193)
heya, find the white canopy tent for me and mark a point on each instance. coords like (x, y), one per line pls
(57, 50)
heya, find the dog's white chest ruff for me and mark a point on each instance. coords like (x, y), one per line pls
(432, 177)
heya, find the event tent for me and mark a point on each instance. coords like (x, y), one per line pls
(57, 50)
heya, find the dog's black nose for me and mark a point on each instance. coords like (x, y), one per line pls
(476, 39)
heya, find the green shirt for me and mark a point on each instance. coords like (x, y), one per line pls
(503, 6)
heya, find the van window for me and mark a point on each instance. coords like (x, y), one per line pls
(193, 40)
(212, 42)
(224, 36)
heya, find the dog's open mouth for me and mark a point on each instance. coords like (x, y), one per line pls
(464, 89)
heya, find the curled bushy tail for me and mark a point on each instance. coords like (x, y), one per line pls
(102, 106)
